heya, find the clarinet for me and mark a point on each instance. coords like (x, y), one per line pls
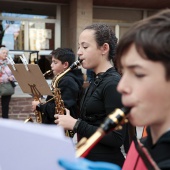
(114, 121)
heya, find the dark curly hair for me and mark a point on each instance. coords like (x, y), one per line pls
(104, 34)
(64, 55)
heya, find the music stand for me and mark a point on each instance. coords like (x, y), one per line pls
(30, 75)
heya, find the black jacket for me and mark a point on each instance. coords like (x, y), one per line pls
(160, 152)
(95, 106)
(70, 86)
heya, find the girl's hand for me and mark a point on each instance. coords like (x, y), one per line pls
(66, 121)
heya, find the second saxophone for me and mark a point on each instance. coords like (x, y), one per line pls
(60, 108)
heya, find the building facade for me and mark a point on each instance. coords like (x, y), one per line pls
(39, 26)
(45, 25)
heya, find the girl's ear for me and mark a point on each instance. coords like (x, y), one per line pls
(66, 65)
(105, 48)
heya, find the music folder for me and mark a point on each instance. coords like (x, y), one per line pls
(33, 146)
(138, 158)
(30, 74)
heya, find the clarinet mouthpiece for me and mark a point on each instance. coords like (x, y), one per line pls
(126, 110)
(76, 64)
(115, 119)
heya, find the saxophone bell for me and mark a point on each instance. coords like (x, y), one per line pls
(29, 119)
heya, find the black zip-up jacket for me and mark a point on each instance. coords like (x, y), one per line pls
(95, 107)
(70, 87)
(160, 151)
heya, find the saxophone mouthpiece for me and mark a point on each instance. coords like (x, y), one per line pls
(48, 72)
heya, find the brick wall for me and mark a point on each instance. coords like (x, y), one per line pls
(20, 108)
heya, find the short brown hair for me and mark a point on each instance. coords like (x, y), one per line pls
(64, 55)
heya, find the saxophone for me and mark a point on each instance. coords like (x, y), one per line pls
(36, 94)
(60, 108)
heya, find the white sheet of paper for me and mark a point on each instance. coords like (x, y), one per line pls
(32, 146)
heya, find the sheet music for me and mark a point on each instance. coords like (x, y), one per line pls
(32, 76)
(33, 146)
